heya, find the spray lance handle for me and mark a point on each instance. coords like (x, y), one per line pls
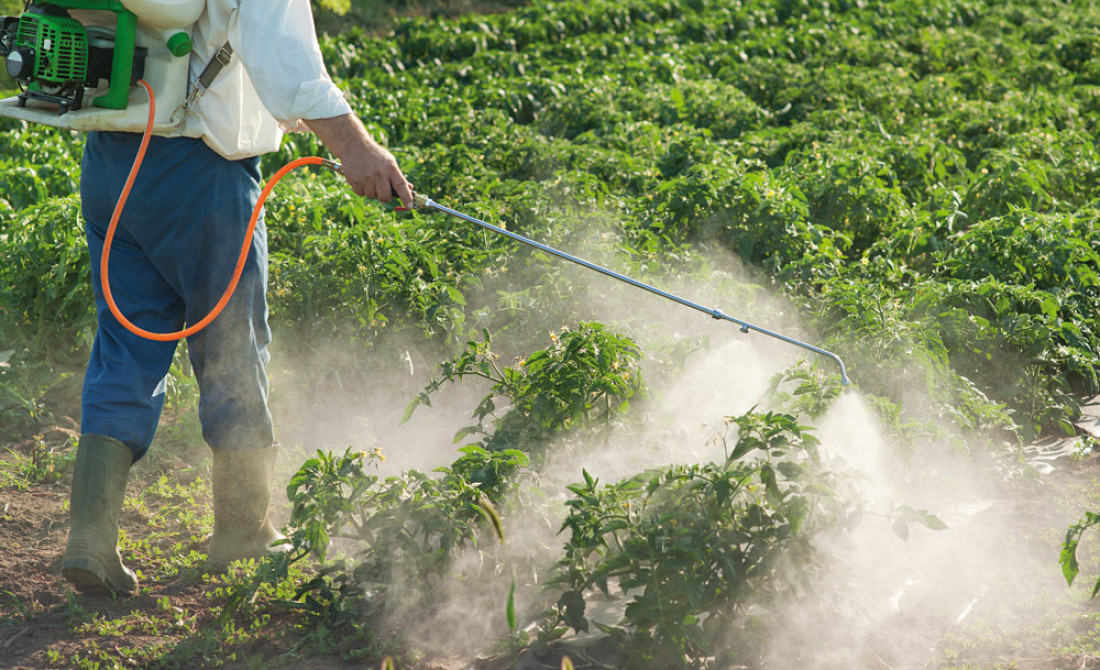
(420, 201)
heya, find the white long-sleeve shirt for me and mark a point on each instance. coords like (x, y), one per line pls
(275, 79)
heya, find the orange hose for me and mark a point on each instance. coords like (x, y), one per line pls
(245, 248)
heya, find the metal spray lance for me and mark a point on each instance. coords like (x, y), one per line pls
(421, 201)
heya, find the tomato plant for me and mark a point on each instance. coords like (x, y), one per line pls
(918, 179)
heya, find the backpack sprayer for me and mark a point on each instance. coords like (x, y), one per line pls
(61, 62)
(77, 62)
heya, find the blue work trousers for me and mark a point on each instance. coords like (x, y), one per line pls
(173, 254)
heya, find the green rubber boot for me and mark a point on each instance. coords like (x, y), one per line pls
(92, 563)
(242, 483)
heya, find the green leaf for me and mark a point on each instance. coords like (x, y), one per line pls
(932, 521)
(455, 295)
(767, 477)
(463, 432)
(900, 527)
(340, 7)
(1068, 559)
(1068, 556)
(510, 606)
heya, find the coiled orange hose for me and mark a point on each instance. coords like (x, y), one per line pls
(245, 247)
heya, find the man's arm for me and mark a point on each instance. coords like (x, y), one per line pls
(290, 78)
(370, 169)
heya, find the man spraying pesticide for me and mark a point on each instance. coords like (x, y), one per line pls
(196, 90)
(230, 78)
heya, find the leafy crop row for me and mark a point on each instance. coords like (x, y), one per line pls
(838, 147)
(705, 553)
(919, 178)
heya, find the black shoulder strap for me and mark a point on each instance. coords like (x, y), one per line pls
(220, 60)
(209, 73)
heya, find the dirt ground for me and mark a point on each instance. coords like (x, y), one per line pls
(32, 533)
(45, 625)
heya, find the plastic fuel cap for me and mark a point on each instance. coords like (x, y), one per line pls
(180, 44)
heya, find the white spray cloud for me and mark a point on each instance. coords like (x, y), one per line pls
(891, 603)
(897, 603)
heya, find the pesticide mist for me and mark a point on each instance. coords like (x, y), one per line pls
(743, 463)
(492, 458)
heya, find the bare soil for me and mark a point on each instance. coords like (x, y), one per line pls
(45, 625)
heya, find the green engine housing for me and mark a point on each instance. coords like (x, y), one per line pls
(61, 44)
(55, 58)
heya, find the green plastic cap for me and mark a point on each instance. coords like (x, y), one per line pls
(180, 44)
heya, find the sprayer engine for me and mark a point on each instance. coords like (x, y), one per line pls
(55, 58)
(77, 62)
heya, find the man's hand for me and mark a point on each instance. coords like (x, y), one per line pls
(370, 169)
